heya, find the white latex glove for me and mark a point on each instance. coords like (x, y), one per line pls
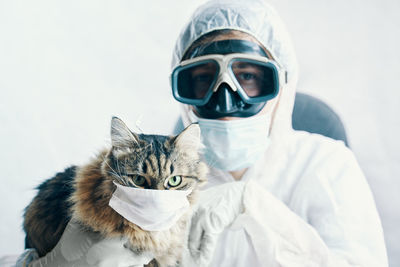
(78, 247)
(217, 208)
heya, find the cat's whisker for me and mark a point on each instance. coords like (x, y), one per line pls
(125, 162)
(115, 175)
(138, 123)
(118, 168)
(105, 161)
(113, 172)
(147, 146)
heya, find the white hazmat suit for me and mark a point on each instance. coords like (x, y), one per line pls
(306, 202)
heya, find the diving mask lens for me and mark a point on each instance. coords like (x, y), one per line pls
(193, 83)
(195, 80)
(256, 81)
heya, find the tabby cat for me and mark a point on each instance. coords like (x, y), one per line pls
(136, 160)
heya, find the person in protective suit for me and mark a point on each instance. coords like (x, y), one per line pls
(275, 196)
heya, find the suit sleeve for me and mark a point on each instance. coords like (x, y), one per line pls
(331, 219)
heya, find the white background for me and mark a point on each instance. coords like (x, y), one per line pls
(67, 66)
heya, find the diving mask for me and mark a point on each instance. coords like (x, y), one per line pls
(236, 79)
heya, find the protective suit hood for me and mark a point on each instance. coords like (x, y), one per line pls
(260, 20)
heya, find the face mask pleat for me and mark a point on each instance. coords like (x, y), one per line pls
(234, 144)
(151, 210)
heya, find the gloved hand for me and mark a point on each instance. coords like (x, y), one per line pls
(78, 247)
(217, 208)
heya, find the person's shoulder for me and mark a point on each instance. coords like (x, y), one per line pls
(320, 152)
(316, 143)
(325, 163)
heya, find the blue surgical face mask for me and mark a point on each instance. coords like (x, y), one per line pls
(234, 144)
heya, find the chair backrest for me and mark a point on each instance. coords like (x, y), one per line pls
(312, 115)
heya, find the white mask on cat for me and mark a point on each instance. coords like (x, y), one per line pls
(151, 210)
(234, 144)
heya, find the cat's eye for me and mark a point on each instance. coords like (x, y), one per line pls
(174, 181)
(139, 181)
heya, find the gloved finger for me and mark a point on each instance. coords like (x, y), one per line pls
(207, 223)
(196, 232)
(216, 221)
(112, 252)
(125, 260)
(28, 256)
(207, 249)
(75, 241)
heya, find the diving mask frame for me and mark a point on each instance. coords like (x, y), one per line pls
(226, 75)
(224, 96)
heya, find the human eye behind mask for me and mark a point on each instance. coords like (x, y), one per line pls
(253, 79)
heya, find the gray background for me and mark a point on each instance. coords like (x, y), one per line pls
(67, 66)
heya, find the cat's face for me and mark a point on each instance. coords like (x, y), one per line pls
(154, 161)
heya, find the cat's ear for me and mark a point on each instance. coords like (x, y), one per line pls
(189, 138)
(121, 136)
